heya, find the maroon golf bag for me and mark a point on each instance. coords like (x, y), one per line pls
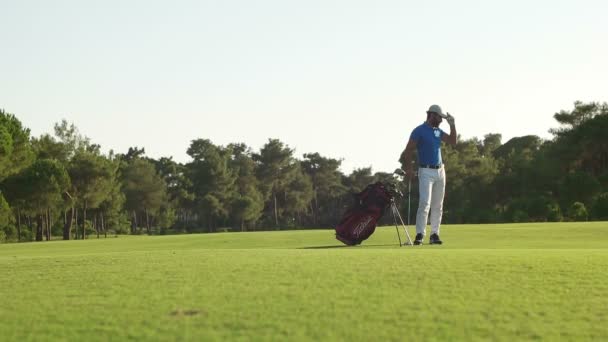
(359, 221)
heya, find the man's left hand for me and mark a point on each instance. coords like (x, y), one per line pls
(450, 119)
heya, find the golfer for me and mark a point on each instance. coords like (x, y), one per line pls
(426, 140)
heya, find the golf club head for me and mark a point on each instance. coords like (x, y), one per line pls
(399, 172)
(393, 189)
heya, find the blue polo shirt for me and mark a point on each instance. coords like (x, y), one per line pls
(428, 144)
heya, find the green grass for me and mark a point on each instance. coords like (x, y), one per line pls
(488, 282)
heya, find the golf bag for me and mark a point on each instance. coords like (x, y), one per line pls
(359, 221)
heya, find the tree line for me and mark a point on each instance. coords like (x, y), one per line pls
(62, 185)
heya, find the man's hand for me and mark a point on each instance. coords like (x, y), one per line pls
(450, 139)
(450, 119)
(406, 159)
(409, 171)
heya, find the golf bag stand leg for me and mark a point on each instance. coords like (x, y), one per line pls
(397, 214)
(393, 210)
(407, 233)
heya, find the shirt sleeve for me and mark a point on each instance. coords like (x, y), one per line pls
(415, 134)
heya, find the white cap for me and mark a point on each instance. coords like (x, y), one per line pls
(436, 109)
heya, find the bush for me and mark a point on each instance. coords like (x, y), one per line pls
(89, 229)
(554, 212)
(57, 229)
(520, 216)
(534, 209)
(482, 216)
(166, 219)
(6, 216)
(599, 210)
(118, 224)
(9, 232)
(578, 212)
(26, 234)
(121, 230)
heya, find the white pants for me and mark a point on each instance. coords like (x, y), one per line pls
(431, 183)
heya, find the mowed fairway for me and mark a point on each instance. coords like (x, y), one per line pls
(488, 282)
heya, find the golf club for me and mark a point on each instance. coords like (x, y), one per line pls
(395, 210)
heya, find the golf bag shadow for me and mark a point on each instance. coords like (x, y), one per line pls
(359, 222)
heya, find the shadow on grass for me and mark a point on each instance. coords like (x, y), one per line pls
(325, 247)
(344, 246)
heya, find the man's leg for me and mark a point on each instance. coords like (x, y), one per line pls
(424, 202)
(437, 193)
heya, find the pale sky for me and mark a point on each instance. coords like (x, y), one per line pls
(348, 79)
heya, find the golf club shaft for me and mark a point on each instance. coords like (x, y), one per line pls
(396, 226)
(409, 239)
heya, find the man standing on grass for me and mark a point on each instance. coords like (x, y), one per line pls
(426, 139)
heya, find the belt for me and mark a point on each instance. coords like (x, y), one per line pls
(426, 166)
